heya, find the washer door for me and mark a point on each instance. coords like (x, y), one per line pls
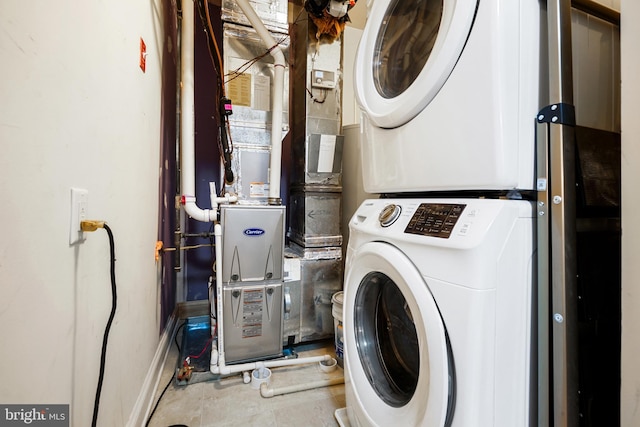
(396, 347)
(407, 52)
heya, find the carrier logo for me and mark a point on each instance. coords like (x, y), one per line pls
(253, 232)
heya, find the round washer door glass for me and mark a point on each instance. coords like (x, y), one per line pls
(386, 339)
(407, 51)
(397, 350)
(404, 44)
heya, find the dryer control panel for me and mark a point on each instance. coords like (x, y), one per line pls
(435, 219)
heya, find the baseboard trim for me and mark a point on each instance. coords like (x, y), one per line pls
(145, 400)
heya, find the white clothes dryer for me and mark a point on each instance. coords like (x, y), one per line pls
(449, 92)
(437, 313)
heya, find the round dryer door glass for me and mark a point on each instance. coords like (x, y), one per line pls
(408, 50)
(405, 41)
(386, 339)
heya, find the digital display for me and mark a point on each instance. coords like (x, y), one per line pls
(435, 220)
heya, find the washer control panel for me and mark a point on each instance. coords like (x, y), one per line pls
(435, 219)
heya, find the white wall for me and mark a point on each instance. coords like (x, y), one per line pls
(76, 110)
(350, 108)
(630, 34)
(596, 60)
(613, 4)
(353, 193)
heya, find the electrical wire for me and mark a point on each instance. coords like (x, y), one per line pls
(234, 74)
(316, 100)
(224, 136)
(175, 339)
(228, 125)
(114, 304)
(206, 346)
(212, 45)
(158, 402)
(296, 19)
(215, 42)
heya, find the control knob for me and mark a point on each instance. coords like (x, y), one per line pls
(389, 214)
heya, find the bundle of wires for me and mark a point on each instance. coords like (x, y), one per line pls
(225, 144)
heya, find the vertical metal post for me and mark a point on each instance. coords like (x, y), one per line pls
(560, 116)
(542, 297)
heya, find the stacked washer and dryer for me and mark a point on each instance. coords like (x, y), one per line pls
(439, 270)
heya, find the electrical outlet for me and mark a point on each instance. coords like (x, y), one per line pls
(79, 204)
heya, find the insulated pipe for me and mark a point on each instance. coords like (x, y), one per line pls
(275, 163)
(266, 391)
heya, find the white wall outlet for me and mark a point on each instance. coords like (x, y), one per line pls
(79, 204)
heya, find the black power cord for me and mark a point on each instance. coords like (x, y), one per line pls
(90, 225)
(114, 304)
(175, 339)
(159, 398)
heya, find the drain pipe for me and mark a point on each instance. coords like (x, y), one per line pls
(266, 391)
(187, 124)
(217, 352)
(187, 119)
(275, 162)
(187, 156)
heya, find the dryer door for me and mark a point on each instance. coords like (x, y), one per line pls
(397, 354)
(407, 52)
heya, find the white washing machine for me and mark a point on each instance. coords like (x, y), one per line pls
(437, 313)
(449, 91)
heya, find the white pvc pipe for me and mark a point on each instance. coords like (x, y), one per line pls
(275, 163)
(246, 377)
(223, 369)
(266, 391)
(219, 354)
(187, 119)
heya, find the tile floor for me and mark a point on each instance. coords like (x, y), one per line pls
(209, 402)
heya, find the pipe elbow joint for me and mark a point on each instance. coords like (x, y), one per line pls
(265, 390)
(202, 215)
